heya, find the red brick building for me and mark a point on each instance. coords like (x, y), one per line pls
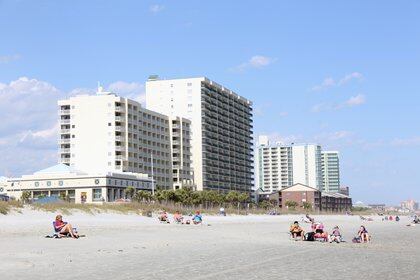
(300, 194)
(321, 201)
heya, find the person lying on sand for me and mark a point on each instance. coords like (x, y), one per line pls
(297, 231)
(64, 228)
(178, 217)
(363, 234)
(336, 235)
(197, 218)
(312, 220)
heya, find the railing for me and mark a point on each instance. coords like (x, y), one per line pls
(65, 131)
(65, 141)
(64, 112)
(65, 121)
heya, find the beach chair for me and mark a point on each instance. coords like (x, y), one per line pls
(57, 233)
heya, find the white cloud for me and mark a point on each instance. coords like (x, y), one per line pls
(133, 90)
(330, 82)
(9, 58)
(353, 101)
(156, 8)
(349, 77)
(406, 142)
(327, 83)
(257, 61)
(276, 137)
(356, 100)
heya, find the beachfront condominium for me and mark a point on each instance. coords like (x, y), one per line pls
(330, 163)
(221, 125)
(278, 166)
(106, 132)
(307, 167)
(273, 166)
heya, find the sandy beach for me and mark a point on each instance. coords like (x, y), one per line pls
(120, 246)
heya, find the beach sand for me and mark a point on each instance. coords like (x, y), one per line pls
(120, 246)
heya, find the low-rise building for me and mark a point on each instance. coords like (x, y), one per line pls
(306, 196)
(335, 202)
(300, 194)
(77, 186)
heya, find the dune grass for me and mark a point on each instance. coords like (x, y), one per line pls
(7, 206)
(137, 208)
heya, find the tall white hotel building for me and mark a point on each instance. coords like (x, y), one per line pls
(221, 125)
(105, 132)
(330, 171)
(280, 166)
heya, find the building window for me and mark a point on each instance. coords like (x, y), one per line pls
(60, 183)
(36, 184)
(109, 124)
(97, 194)
(96, 181)
(189, 84)
(49, 183)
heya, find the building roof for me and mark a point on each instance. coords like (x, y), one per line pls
(300, 188)
(58, 169)
(336, 195)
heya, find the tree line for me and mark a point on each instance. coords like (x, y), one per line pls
(188, 197)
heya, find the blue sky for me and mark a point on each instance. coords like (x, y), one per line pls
(341, 73)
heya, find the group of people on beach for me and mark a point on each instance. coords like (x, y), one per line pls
(391, 218)
(196, 219)
(318, 233)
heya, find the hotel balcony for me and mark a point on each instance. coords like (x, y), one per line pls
(65, 160)
(64, 112)
(65, 131)
(64, 141)
(65, 151)
(64, 121)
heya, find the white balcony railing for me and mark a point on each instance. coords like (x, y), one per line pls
(65, 121)
(65, 141)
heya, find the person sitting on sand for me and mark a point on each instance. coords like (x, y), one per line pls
(296, 230)
(163, 217)
(64, 228)
(336, 235)
(197, 218)
(363, 234)
(319, 231)
(178, 217)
